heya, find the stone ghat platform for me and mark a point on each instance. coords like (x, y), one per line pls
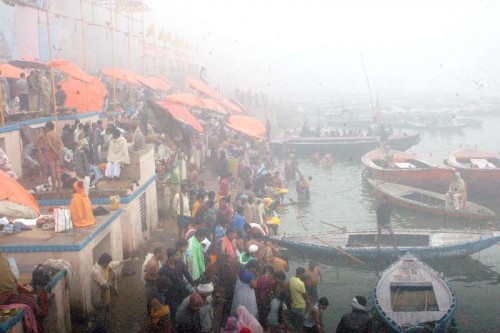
(80, 247)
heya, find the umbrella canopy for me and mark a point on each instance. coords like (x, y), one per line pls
(212, 105)
(86, 97)
(231, 106)
(71, 69)
(120, 74)
(15, 201)
(10, 71)
(158, 83)
(29, 63)
(187, 99)
(202, 87)
(248, 125)
(182, 114)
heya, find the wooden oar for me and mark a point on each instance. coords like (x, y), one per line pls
(338, 249)
(344, 229)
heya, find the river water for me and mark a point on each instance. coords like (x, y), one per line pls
(339, 196)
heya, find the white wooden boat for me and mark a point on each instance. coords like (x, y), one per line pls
(412, 297)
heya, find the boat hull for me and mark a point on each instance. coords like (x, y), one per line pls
(436, 179)
(427, 252)
(481, 182)
(430, 177)
(342, 146)
(381, 189)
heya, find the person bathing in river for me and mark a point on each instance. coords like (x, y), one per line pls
(312, 278)
(384, 220)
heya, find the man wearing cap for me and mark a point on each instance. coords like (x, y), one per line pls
(246, 257)
(456, 191)
(205, 289)
(359, 320)
(187, 318)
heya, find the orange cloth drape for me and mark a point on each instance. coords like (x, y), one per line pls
(13, 191)
(80, 207)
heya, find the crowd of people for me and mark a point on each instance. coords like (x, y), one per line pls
(224, 274)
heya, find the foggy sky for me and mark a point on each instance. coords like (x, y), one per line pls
(312, 48)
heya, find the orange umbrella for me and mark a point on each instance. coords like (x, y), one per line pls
(84, 96)
(72, 70)
(158, 83)
(212, 105)
(15, 200)
(231, 106)
(182, 114)
(10, 71)
(202, 87)
(120, 74)
(248, 125)
(187, 99)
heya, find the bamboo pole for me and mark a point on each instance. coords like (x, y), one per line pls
(143, 44)
(113, 80)
(344, 229)
(1, 105)
(128, 40)
(84, 48)
(84, 42)
(49, 37)
(338, 249)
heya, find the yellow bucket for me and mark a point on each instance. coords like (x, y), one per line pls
(114, 202)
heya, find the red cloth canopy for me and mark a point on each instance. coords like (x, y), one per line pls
(212, 105)
(12, 191)
(10, 71)
(72, 69)
(120, 74)
(83, 91)
(158, 83)
(231, 106)
(202, 87)
(248, 125)
(187, 99)
(182, 114)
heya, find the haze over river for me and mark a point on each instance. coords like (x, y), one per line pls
(339, 196)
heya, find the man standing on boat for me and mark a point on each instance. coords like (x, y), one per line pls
(456, 191)
(384, 220)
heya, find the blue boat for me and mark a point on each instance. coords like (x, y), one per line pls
(412, 297)
(363, 243)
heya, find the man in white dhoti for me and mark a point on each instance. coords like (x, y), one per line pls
(117, 155)
(456, 191)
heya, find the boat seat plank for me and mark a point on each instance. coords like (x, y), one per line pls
(481, 163)
(414, 318)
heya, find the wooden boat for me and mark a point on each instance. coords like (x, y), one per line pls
(363, 243)
(432, 126)
(342, 145)
(479, 169)
(412, 297)
(427, 201)
(407, 169)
